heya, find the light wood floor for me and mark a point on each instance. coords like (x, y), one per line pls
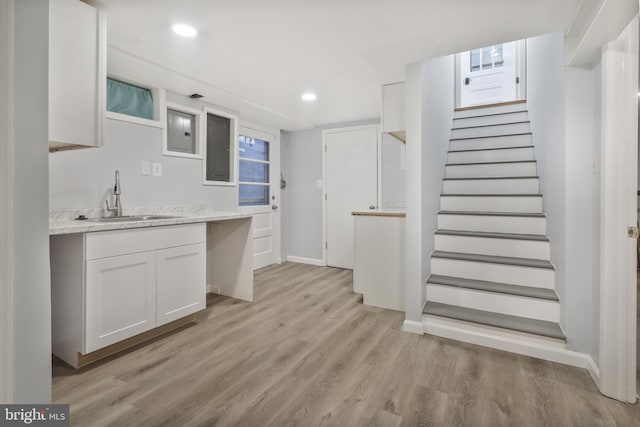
(308, 353)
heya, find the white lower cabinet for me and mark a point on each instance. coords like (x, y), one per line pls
(113, 285)
(180, 281)
(120, 298)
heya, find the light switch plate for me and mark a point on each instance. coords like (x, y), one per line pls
(145, 168)
(156, 169)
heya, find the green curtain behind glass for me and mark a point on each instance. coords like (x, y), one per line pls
(128, 99)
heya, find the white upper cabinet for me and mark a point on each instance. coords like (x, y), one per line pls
(77, 74)
(393, 121)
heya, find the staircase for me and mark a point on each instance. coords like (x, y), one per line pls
(491, 268)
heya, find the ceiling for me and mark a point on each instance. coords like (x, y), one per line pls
(257, 57)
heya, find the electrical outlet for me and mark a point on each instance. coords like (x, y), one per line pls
(156, 169)
(146, 168)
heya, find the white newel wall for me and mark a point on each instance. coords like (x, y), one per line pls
(429, 106)
(546, 104)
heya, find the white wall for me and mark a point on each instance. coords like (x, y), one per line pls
(582, 228)
(545, 101)
(26, 320)
(429, 109)
(302, 168)
(84, 178)
(393, 173)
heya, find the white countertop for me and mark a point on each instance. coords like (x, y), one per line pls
(65, 225)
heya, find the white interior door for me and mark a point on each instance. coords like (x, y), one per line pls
(489, 75)
(351, 183)
(259, 192)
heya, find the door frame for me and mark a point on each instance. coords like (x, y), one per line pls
(274, 176)
(326, 132)
(618, 210)
(521, 71)
(6, 198)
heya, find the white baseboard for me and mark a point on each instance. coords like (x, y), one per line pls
(413, 327)
(302, 260)
(212, 289)
(514, 343)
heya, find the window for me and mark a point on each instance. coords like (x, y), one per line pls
(183, 136)
(486, 58)
(125, 98)
(135, 102)
(220, 167)
(254, 171)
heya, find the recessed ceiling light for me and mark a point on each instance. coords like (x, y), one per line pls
(309, 97)
(184, 30)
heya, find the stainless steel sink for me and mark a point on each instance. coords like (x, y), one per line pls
(127, 218)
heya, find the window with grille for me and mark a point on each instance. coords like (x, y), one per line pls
(486, 58)
(254, 171)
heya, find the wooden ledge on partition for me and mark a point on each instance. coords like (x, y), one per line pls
(497, 104)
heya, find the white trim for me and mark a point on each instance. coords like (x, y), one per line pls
(514, 343)
(133, 119)
(200, 130)
(325, 132)
(233, 175)
(6, 198)
(413, 327)
(303, 260)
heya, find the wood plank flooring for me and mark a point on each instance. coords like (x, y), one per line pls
(308, 353)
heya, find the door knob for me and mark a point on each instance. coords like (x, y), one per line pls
(372, 207)
(466, 81)
(274, 207)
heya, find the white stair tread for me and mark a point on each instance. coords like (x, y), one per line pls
(491, 115)
(517, 147)
(511, 236)
(522, 324)
(483, 213)
(490, 136)
(491, 163)
(472, 178)
(502, 288)
(491, 195)
(493, 125)
(493, 259)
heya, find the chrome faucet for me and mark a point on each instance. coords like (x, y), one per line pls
(117, 208)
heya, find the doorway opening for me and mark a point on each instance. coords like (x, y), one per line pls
(491, 74)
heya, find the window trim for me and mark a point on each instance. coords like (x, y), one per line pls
(233, 157)
(200, 117)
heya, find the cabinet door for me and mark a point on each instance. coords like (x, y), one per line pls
(181, 285)
(120, 298)
(77, 74)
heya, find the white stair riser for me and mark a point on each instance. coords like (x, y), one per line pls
(502, 273)
(490, 336)
(491, 186)
(475, 132)
(493, 246)
(494, 224)
(490, 110)
(513, 305)
(495, 119)
(478, 156)
(491, 170)
(491, 142)
(521, 204)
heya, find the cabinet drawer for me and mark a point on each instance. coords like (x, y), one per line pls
(105, 244)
